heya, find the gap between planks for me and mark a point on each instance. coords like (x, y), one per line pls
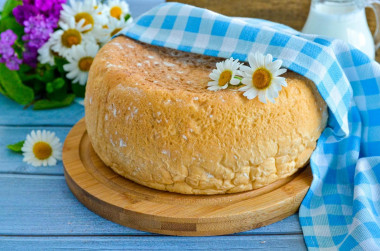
(31, 175)
(242, 234)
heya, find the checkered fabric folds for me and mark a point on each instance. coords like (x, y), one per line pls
(341, 209)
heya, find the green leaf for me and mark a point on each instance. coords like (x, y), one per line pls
(59, 62)
(25, 68)
(38, 86)
(2, 91)
(127, 17)
(13, 87)
(16, 147)
(57, 89)
(27, 76)
(50, 104)
(49, 88)
(10, 23)
(58, 83)
(78, 90)
(46, 73)
(47, 76)
(9, 6)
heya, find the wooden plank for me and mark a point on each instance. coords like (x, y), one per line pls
(264, 242)
(43, 205)
(290, 12)
(14, 114)
(11, 162)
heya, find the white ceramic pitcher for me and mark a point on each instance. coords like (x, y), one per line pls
(346, 20)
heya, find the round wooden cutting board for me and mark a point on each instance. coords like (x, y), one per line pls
(122, 201)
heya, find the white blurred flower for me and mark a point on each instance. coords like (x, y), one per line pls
(113, 27)
(80, 61)
(86, 10)
(45, 53)
(117, 9)
(69, 36)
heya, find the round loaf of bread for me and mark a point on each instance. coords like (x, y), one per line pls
(151, 119)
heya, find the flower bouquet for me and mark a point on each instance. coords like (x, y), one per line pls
(47, 47)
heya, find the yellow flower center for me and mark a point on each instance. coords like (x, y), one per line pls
(261, 78)
(116, 12)
(71, 37)
(225, 77)
(88, 19)
(42, 150)
(84, 64)
(115, 31)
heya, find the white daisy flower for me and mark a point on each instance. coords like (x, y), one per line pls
(42, 148)
(118, 9)
(100, 8)
(84, 10)
(45, 53)
(261, 78)
(80, 62)
(69, 36)
(224, 74)
(113, 27)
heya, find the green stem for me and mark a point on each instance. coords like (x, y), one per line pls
(19, 46)
(238, 77)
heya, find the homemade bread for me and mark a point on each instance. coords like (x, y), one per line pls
(151, 119)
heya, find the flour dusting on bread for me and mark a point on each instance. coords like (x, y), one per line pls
(158, 125)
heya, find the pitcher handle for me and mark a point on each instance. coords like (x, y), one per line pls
(375, 5)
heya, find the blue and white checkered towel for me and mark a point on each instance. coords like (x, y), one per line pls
(342, 207)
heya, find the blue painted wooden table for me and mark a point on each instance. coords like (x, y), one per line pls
(38, 211)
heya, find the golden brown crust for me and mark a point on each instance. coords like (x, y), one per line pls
(151, 119)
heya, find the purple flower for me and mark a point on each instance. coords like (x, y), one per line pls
(54, 10)
(37, 31)
(6, 50)
(48, 8)
(39, 18)
(13, 62)
(44, 5)
(24, 12)
(8, 37)
(8, 55)
(30, 56)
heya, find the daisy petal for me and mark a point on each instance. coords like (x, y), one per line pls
(268, 59)
(251, 94)
(244, 88)
(275, 65)
(247, 81)
(213, 88)
(212, 83)
(280, 72)
(262, 97)
(235, 81)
